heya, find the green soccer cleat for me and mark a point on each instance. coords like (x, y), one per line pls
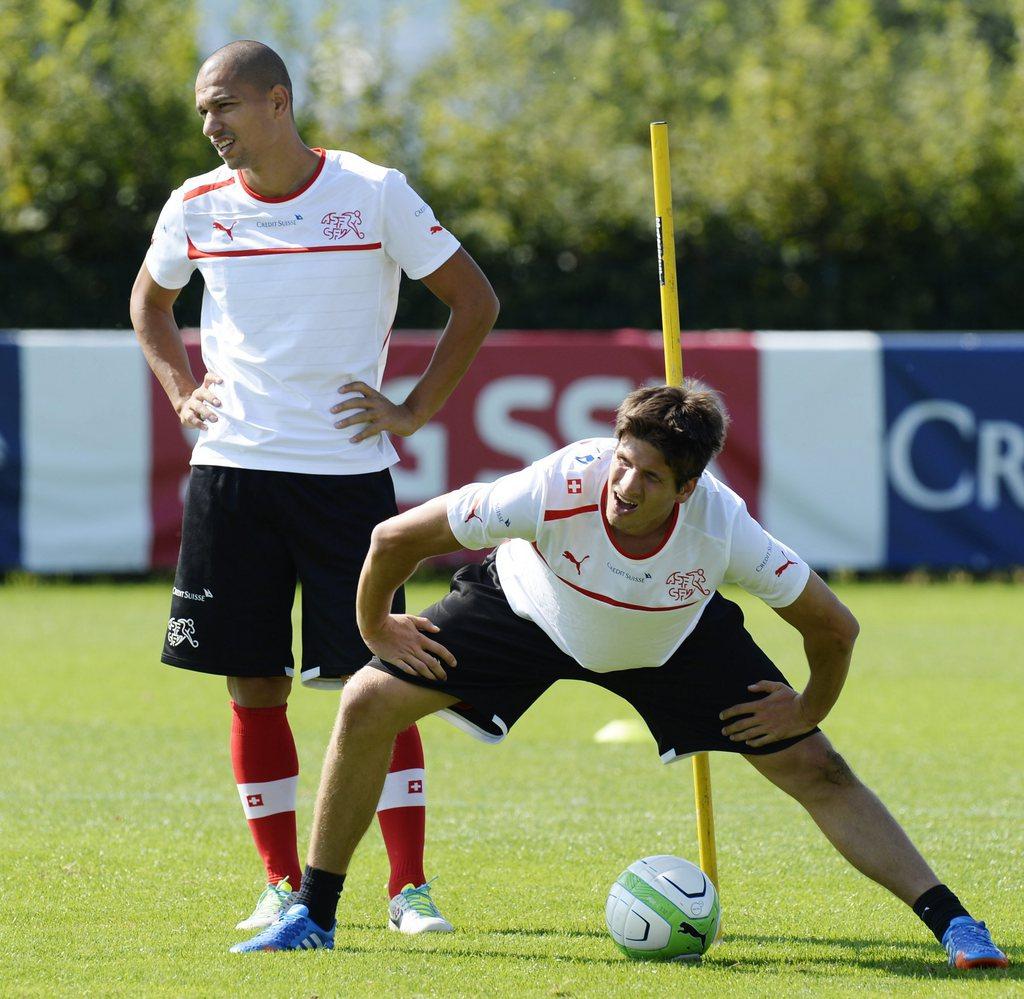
(273, 901)
(413, 911)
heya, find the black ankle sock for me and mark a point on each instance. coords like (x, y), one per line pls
(936, 908)
(319, 892)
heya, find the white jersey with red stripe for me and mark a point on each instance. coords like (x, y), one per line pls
(562, 569)
(300, 296)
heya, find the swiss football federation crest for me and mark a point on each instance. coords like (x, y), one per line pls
(683, 585)
(181, 629)
(574, 486)
(339, 224)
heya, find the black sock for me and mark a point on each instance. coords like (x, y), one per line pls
(319, 892)
(936, 908)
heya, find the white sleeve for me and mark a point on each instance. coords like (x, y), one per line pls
(412, 235)
(483, 514)
(762, 565)
(167, 259)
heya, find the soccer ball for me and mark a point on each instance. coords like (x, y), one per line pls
(663, 909)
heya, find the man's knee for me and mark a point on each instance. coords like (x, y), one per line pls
(824, 773)
(834, 769)
(368, 702)
(811, 768)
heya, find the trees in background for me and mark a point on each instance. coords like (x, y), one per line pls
(850, 163)
(96, 126)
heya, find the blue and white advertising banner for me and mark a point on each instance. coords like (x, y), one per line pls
(858, 449)
(954, 417)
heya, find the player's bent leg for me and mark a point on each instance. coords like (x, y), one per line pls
(855, 821)
(865, 833)
(375, 707)
(266, 768)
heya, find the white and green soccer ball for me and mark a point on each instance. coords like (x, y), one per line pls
(663, 909)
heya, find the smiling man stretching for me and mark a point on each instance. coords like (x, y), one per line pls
(614, 552)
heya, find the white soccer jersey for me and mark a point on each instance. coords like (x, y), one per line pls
(608, 610)
(300, 296)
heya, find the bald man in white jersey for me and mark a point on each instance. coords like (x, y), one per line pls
(302, 252)
(610, 556)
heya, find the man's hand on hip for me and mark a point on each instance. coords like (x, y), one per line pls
(402, 641)
(376, 411)
(197, 408)
(778, 715)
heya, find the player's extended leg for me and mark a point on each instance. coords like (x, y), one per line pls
(375, 708)
(266, 768)
(861, 828)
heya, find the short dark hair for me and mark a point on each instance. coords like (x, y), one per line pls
(686, 423)
(254, 63)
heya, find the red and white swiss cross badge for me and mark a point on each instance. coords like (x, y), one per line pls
(574, 486)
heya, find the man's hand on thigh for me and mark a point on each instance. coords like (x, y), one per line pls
(778, 714)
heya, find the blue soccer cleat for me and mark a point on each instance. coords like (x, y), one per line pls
(293, 931)
(969, 945)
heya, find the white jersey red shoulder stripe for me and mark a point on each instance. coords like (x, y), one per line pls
(300, 297)
(560, 565)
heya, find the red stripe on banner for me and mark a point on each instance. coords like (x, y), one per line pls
(526, 394)
(530, 392)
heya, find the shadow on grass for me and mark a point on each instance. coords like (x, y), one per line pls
(915, 960)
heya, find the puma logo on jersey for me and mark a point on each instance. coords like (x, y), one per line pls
(782, 568)
(227, 230)
(473, 515)
(579, 564)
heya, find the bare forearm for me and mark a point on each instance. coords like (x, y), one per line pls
(829, 659)
(461, 285)
(386, 568)
(465, 332)
(397, 546)
(164, 350)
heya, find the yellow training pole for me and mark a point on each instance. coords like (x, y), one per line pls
(674, 376)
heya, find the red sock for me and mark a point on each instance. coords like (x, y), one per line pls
(402, 812)
(267, 774)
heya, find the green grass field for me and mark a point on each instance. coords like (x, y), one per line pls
(125, 861)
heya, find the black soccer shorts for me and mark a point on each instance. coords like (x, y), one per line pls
(247, 536)
(506, 662)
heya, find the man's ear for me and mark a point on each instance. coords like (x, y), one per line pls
(686, 490)
(282, 102)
